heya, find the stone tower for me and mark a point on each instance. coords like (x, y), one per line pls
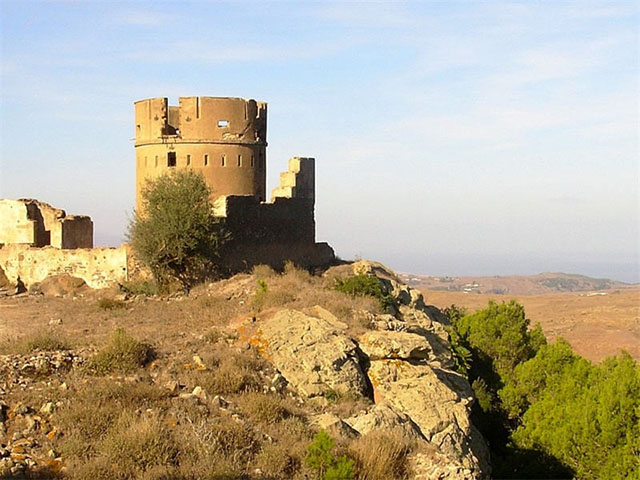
(223, 138)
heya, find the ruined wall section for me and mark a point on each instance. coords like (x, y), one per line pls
(28, 221)
(284, 229)
(16, 226)
(298, 181)
(225, 139)
(98, 267)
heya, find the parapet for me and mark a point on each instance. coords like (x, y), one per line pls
(27, 221)
(224, 120)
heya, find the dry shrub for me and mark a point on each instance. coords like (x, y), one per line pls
(275, 460)
(263, 272)
(234, 371)
(111, 304)
(139, 444)
(122, 354)
(49, 340)
(89, 414)
(381, 455)
(263, 408)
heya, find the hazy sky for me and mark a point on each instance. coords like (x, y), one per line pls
(450, 137)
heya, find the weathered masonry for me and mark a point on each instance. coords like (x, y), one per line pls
(225, 139)
(38, 241)
(30, 222)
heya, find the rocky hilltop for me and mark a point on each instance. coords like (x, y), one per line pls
(353, 372)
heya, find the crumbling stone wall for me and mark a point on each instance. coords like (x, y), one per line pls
(30, 222)
(98, 267)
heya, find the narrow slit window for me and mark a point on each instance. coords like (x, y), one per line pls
(223, 160)
(206, 160)
(223, 123)
(156, 160)
(145, 161)
(171, 159)
(253, 161)
(188, 160)
(239, 160)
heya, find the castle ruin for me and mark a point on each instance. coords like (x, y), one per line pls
(224, 139)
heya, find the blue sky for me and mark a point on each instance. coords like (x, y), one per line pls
(480, 138)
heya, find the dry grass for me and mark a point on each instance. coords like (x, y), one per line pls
(122, 354)
(381, 455)
(44, 341)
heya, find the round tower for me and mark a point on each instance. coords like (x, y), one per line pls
(223, 138)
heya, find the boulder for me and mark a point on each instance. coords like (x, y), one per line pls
(384, 417)
(380, 345)
(313, 354)
(60, 285)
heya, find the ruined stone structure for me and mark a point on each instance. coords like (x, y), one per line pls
(38, 241)
(30, 222)
(225, 139)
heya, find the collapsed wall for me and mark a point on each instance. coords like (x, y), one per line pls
(279, 231)
(98, 267)
(29, 222)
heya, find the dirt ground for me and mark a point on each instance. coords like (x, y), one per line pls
(596, 325)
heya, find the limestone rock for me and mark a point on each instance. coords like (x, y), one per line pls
(333, 425)
(60, 285)
(384, 417)
(438, 401)
(311, 353)
(381, 345)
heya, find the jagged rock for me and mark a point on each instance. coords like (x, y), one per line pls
(438, 401)
(380, 345)
(313, 354)
(384, 417)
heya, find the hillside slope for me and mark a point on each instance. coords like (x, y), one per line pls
(233, 381)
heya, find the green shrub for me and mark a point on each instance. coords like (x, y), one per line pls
(176, 235)
(321, 459)
(122, 354)
(364, 285)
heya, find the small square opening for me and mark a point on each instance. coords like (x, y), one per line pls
(223, 123)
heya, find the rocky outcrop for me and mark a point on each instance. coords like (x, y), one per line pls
(311, 352)
(404, 363)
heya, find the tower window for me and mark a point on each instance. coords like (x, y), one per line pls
(239, 160)
(253, 161)
(188, 159)
(206, 160)
(145, 161)
(156, 160)
(223, 123)
(171, 159)
(223, 160)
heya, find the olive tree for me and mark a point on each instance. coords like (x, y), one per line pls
(175, 233)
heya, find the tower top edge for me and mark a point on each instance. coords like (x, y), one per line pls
(201, 96)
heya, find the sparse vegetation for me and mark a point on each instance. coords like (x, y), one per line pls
(364, 285)
(140, 288)
(49, 340)
(122, 354)
(381, 455)
(111, 304)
